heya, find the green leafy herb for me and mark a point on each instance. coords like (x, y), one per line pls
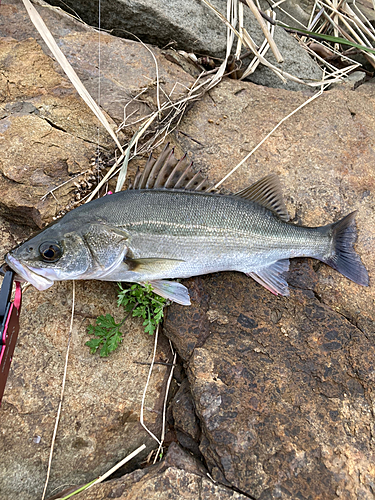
(138, 301)
(143, 302)
(107, 335)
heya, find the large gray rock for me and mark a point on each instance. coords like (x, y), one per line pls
(193, 27)
(300, 10)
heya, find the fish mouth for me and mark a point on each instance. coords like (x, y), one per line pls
(28, 274)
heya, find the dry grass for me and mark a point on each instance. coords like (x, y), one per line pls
(167, 115)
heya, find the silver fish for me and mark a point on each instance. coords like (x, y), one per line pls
(158, 230)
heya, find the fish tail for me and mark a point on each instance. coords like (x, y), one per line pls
(344, 258)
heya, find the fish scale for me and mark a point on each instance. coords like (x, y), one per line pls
(194, 214)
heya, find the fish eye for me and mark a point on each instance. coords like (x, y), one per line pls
(50, 251)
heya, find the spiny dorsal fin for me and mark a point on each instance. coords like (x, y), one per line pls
(167, 171)
(267, 192)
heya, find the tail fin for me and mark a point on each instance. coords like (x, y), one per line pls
(343, 258)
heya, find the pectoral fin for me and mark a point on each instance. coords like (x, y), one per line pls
(151, 266)
(272, 278)
(171, 290)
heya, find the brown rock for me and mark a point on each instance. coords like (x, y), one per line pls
(126, 67)
(178, 476)
(281, 386)
(185, 420)
(49, 134)
(99, 422)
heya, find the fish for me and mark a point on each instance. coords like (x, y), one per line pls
(171, 223)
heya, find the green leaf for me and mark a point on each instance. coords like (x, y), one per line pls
(104, 351)
(149, 328)
(106, 321)
(140, 302)
(94, 344)
(143, 303)
(328, 38)
(107, 335)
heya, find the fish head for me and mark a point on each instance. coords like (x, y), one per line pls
(48, 257)
(64, 253)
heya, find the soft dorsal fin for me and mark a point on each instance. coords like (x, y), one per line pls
(167, 171)
(267, 192)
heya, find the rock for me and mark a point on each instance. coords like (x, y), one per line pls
(300, 10)
(281, 386)
(178, 476)
(48, 134)
(165, 23)
(294, 12)
(325, 164)
(127, 67)
(278, 398)
(99, 422)
(297, 63)
(352, 81)
(42, 117)
(367, 8)
(184, 419)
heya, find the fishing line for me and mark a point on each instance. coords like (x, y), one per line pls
(99, 93)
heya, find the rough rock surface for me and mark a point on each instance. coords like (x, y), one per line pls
(325, 164)
(185, 421)
(283, 388)
(41, 118)
(177, 477)
(127, 67)
(192, 26)
(300, 10)
(279, 395)
(41, 115)
(100, 417)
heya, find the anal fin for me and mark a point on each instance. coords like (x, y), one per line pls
(171, 290)
(271, 277)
